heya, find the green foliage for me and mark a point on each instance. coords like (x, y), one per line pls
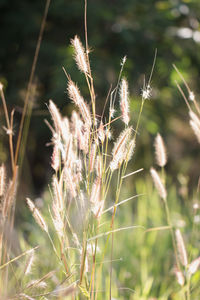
(115, 28)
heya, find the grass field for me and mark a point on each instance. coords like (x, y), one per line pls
(101, 229)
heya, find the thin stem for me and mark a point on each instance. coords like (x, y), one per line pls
(31, 81)
(171, 230)
(188, 287)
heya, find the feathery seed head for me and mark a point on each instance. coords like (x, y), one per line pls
(74, 93)
(181, 248)
(55, 158)
(96, 203)
(193, 266)
(158, 184)
(76, 97)
(112, 112)
(108, 133)
(97, 208)
(37, 215)
(124, 101)
(69, 179)
(57, 191)
(80, 55)
(195, 129)
(130, 150)
(146, 92)
(194, 118)
(56, 117)
(119, 148)
(123, 60)
(179, 276)
(58, 222)
(101, 132)
(65, 130)
(161, 157)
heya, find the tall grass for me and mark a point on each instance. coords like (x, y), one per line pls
(95, 238)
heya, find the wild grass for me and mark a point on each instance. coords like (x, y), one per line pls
(96, 237)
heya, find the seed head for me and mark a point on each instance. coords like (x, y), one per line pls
(146, 92)
(76, 97)
(161, 157)
(37, 215)
(55, 114)
(119, 148)
(80, 55)
(181, 248)
(158, 184)
(193, 267)
(124, 101)
(180, 277)
(195, 129)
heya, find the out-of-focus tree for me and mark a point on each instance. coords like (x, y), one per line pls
(115, 28)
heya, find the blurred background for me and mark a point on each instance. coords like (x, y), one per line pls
(115, 28)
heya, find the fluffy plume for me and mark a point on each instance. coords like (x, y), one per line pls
(76, 97)
(68, 151)
(65, 130)
(58, 197)
(161, 157)
(75, 121)
(56, 117)
(55, 158)
(80, 55)
(119, 148)
(158, 184)
(180, 277)
(195, 129)
(146, 92)
(70, 182)
(9, 197)
(37, 215)
(194, 265)
(130, 150)
(124, 101)
(194, 118)
(181, 248)
(57, 220)
(195, 124)
(101, 133)
(96, 203)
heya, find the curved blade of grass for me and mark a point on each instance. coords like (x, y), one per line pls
(17, 257)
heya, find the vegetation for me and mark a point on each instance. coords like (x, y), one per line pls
(101, 230)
